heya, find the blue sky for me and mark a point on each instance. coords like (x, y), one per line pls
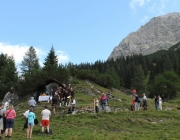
(79, 30)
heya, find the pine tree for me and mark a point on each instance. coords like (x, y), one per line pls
(30, 61)
(138, 82)
(52, 58)
(8, 74)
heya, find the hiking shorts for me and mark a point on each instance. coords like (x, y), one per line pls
(45, 122)
(30, 124)
(9, 123)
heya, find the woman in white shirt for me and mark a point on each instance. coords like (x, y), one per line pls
(160, 103)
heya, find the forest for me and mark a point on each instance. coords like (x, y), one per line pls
(153, 74)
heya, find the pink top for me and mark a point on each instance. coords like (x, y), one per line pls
(10, 115)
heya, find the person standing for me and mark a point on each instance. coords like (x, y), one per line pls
(10, 114)
(137, 102)
(32, 102)
(2, 111)
(160, 102)
(73, 104)
(54, 103)
(26, 119)
(45, 119)
(96, 105)
(144, 102)
(103, 101)
(156, 101)
(30, 118)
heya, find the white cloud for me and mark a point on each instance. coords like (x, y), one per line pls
(62, 56)
(17, 51)
(145, 18)
(134, 3)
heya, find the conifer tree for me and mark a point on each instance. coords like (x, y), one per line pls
(52, 58)
(139, 80)
(30, 61)
(8, 74)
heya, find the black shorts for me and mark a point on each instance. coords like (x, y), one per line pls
(9, 123)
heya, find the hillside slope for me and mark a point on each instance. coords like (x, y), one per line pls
(119, 124)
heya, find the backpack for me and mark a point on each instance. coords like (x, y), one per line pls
(139, 99)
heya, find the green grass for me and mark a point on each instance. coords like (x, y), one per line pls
(116, 125)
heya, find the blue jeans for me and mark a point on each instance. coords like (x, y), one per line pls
(156, 106)
(103, 105)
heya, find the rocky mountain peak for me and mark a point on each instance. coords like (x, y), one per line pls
(160, 33)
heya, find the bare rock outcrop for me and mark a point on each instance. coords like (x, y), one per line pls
(160, 33)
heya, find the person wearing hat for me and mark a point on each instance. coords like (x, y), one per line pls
(32, 102)
(45, 119)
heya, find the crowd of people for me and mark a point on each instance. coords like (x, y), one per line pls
(139, 103)
(61, 96)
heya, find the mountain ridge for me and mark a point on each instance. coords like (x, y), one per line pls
(160, 33)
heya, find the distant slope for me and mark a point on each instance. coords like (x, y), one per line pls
(160, 33)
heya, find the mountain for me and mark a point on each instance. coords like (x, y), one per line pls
(160, 33)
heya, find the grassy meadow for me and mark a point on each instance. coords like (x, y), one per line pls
(119, 124)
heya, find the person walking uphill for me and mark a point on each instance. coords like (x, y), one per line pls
(10, 114)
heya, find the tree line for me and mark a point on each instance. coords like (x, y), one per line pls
(154, 74)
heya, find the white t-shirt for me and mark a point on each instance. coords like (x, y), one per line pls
(144, 97)
(73, 102)
(2, 111)
(97, 102)
(6, 105)
(26, 113)
(45, 114)
(160, 100)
